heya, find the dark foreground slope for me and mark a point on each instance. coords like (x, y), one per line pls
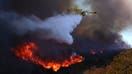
(121, 64)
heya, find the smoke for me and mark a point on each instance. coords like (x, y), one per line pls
(5, 4)
(81, 4)
(61, 26)
(40, 8)
(112, 17)
(57, 27)
(127, 35)
(126, 31)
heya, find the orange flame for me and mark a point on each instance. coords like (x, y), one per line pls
(26, 52)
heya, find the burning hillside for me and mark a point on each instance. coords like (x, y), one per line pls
(49, 38)
(27, 52)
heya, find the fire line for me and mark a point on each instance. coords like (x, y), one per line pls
(26, 52)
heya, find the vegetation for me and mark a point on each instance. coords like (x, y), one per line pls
(122, 64)
(95, 71)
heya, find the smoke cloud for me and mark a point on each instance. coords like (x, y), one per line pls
(112, 17)
(127, 35)
(81, 4)
(57, 27)
(40, 8)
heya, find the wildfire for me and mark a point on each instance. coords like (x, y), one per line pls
(27, 52)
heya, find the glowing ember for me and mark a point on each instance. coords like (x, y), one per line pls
(27, 53)
(93, 52)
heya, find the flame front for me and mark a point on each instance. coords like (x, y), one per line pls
(27, 52)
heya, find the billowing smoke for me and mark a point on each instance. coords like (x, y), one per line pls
(127, 35)
(112, 17)
(126, 32)
(57, 27)
(81, 4)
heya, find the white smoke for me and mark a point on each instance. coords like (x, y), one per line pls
(127, 35)
(61, 26)
(57, 27)
(126, 32)
(82, 4)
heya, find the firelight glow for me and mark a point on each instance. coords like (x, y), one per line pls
(27, 52)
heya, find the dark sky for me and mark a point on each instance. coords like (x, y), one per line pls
(40, 8)
(5, 4)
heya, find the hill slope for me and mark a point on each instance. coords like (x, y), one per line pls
(121, 64)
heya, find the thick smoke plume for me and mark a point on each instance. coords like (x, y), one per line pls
(57, 27)
(112, 17)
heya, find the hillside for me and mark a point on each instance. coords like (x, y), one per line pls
(121, 64)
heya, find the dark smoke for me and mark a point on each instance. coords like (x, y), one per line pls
(5, 4)
(112, 16)
(95, 32)
(40, 8)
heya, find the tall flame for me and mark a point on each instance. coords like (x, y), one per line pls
(27, 52)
